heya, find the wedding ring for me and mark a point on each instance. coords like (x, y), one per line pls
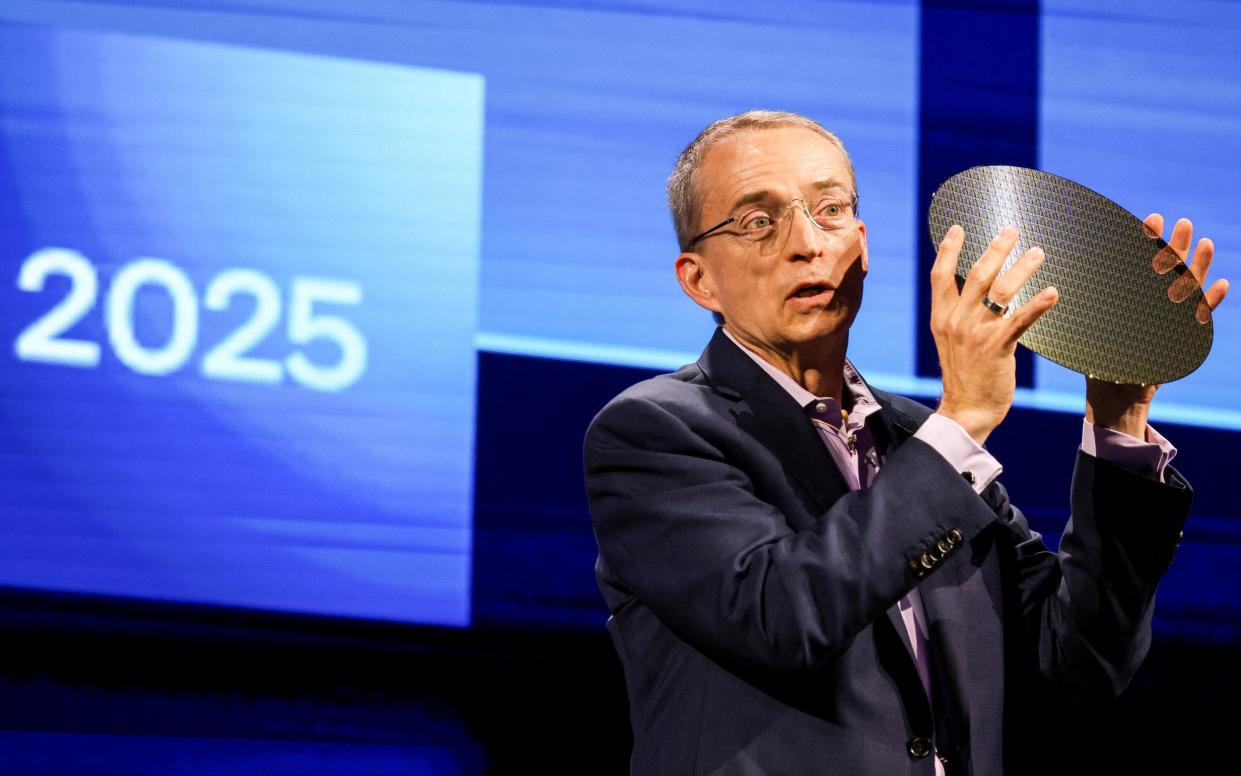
(998, 309)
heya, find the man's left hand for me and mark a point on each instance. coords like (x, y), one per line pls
(1125, 408)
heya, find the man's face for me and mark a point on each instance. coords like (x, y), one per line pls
(805, 284)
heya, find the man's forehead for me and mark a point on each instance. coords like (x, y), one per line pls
(767, 160)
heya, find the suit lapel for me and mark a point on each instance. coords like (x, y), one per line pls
(771, 416)
(891, 425)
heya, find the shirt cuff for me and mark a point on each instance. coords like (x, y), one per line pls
(1148, 458)
(957, 447)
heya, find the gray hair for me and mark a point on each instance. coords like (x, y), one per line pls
(684, 199)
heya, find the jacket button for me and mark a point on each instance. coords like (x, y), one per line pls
(956, 536)
(919, 747)
(927, 562)
(944, 545)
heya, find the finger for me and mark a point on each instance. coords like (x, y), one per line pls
(1201, 263)
(944, 270)
(1183, 286)
(1216, 293)
(1165, 260)
(1007, 286)
(984, 271)
(1211, 299)
(1153, 224)
(1025, 316)
(1182, 236)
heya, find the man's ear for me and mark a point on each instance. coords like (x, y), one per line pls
(861, 225)
(696, 281)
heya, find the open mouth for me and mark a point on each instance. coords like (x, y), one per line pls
(810, 291)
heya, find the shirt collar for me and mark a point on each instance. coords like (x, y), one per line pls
(823, 408)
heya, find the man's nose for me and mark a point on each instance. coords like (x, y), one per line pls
(802, 236)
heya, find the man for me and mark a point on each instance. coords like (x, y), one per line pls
(809, 575)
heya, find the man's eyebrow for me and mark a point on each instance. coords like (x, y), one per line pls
(763, 195)
(829, 183)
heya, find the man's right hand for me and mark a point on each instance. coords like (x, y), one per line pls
(976, 345)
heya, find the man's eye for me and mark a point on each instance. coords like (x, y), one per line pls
(832, 210)
(756, 223)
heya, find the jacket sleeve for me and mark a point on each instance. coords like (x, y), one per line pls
(1086, 610)
(680, 527)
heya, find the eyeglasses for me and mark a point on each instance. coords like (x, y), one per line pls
(761, 224)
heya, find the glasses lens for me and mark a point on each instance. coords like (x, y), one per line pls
(772, 238)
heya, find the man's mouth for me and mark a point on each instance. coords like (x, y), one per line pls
(810, 290)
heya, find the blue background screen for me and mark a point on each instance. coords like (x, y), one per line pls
(271, 272)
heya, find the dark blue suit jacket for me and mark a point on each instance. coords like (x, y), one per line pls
(751, 591)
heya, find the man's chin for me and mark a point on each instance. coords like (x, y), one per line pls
(815, 325)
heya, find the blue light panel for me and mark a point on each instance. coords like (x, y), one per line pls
(241, 361)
